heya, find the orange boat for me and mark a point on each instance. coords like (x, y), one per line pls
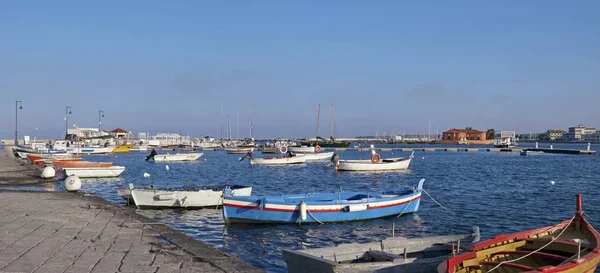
(571, 246)
(81, 164)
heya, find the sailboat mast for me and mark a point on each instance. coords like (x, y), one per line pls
(250, 123)
(318, 121)
(331, 125)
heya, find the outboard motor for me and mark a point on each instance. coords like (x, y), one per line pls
(152, 154)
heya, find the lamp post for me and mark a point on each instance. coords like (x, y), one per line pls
(67, 113)
(18, 105)
(100, 115)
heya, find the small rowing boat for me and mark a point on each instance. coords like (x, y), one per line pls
(321, 207)
(570, 246)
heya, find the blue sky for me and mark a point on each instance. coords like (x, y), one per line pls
(158, 66)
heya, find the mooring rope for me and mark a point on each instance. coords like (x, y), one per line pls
(531, 253)
(436, 201)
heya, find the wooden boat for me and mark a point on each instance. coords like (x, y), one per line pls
(303, 149)
(186, 197)
(570, 246)
(317, 156)
(239, 150)
(125, 148)
(95, 172)
(81, 164)
(177, 157)
(375, 164)
(321, 207)
(89, 150)
(394, 254)
(277, 160)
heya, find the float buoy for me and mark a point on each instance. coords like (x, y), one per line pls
(375, 158)
(303, 209)
(48, 172)
(72, 183)
(318, 149)
(283, 149)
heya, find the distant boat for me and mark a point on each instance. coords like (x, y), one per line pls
(177, 157)
(570, 246)
(98, 172)
(321, 207)
(184, 197)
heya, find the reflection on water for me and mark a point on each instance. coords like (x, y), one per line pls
(495, 191)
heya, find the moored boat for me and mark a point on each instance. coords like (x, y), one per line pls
(570, 246)
(321, 207)
(95, 172)
(186, 197)
(80, 164)
(376, 163)
(394, 254)
(316, 156)
(177, 157)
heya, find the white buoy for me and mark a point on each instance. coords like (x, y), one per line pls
(72, 183)
(167, 167)
(303, 209)
(146, 175)
(552, 182)
(48, 172)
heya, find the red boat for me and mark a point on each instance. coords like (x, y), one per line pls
(570, 246)
(81, 164)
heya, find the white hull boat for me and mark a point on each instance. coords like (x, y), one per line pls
(238, 150)
(186, 197)
(278, 160)
(317, 156)
(302, 149)
(390, 164)
(113, 171)
(90, 150)
(177, 157)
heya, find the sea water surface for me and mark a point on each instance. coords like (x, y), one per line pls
(499, 192)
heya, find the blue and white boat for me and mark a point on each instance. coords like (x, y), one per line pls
(321, 207)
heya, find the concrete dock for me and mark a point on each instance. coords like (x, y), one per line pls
(80, 232)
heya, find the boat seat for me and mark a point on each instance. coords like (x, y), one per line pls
(563, 242)
(535, 254)
(513, 265)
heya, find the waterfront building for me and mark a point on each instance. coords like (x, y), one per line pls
(464, 136)
(581, 133)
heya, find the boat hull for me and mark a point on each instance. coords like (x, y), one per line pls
(113, 171)
(368, 165)
(317, 156)
(177, 157)
(278, 161)
(146, 198)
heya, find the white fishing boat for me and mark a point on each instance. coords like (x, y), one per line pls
(94, 172)
(185, 197)
(303, 149)
(177, 157)
(317, 156)
(277, 160)
(376, 163)
(239, 150)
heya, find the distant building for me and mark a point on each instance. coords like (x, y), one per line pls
(464, 136)
(556, 134)
(581, 133)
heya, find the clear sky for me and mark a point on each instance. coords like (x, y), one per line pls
(159, 66)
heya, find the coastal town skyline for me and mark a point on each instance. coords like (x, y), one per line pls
(170, 67)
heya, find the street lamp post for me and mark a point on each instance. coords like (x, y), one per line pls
(100, 115)
(67, 113)
(18, 105)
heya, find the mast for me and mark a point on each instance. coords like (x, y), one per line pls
(331, 125)
(251, 123)
(318, 121)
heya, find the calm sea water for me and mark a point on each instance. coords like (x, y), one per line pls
(499, 192)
